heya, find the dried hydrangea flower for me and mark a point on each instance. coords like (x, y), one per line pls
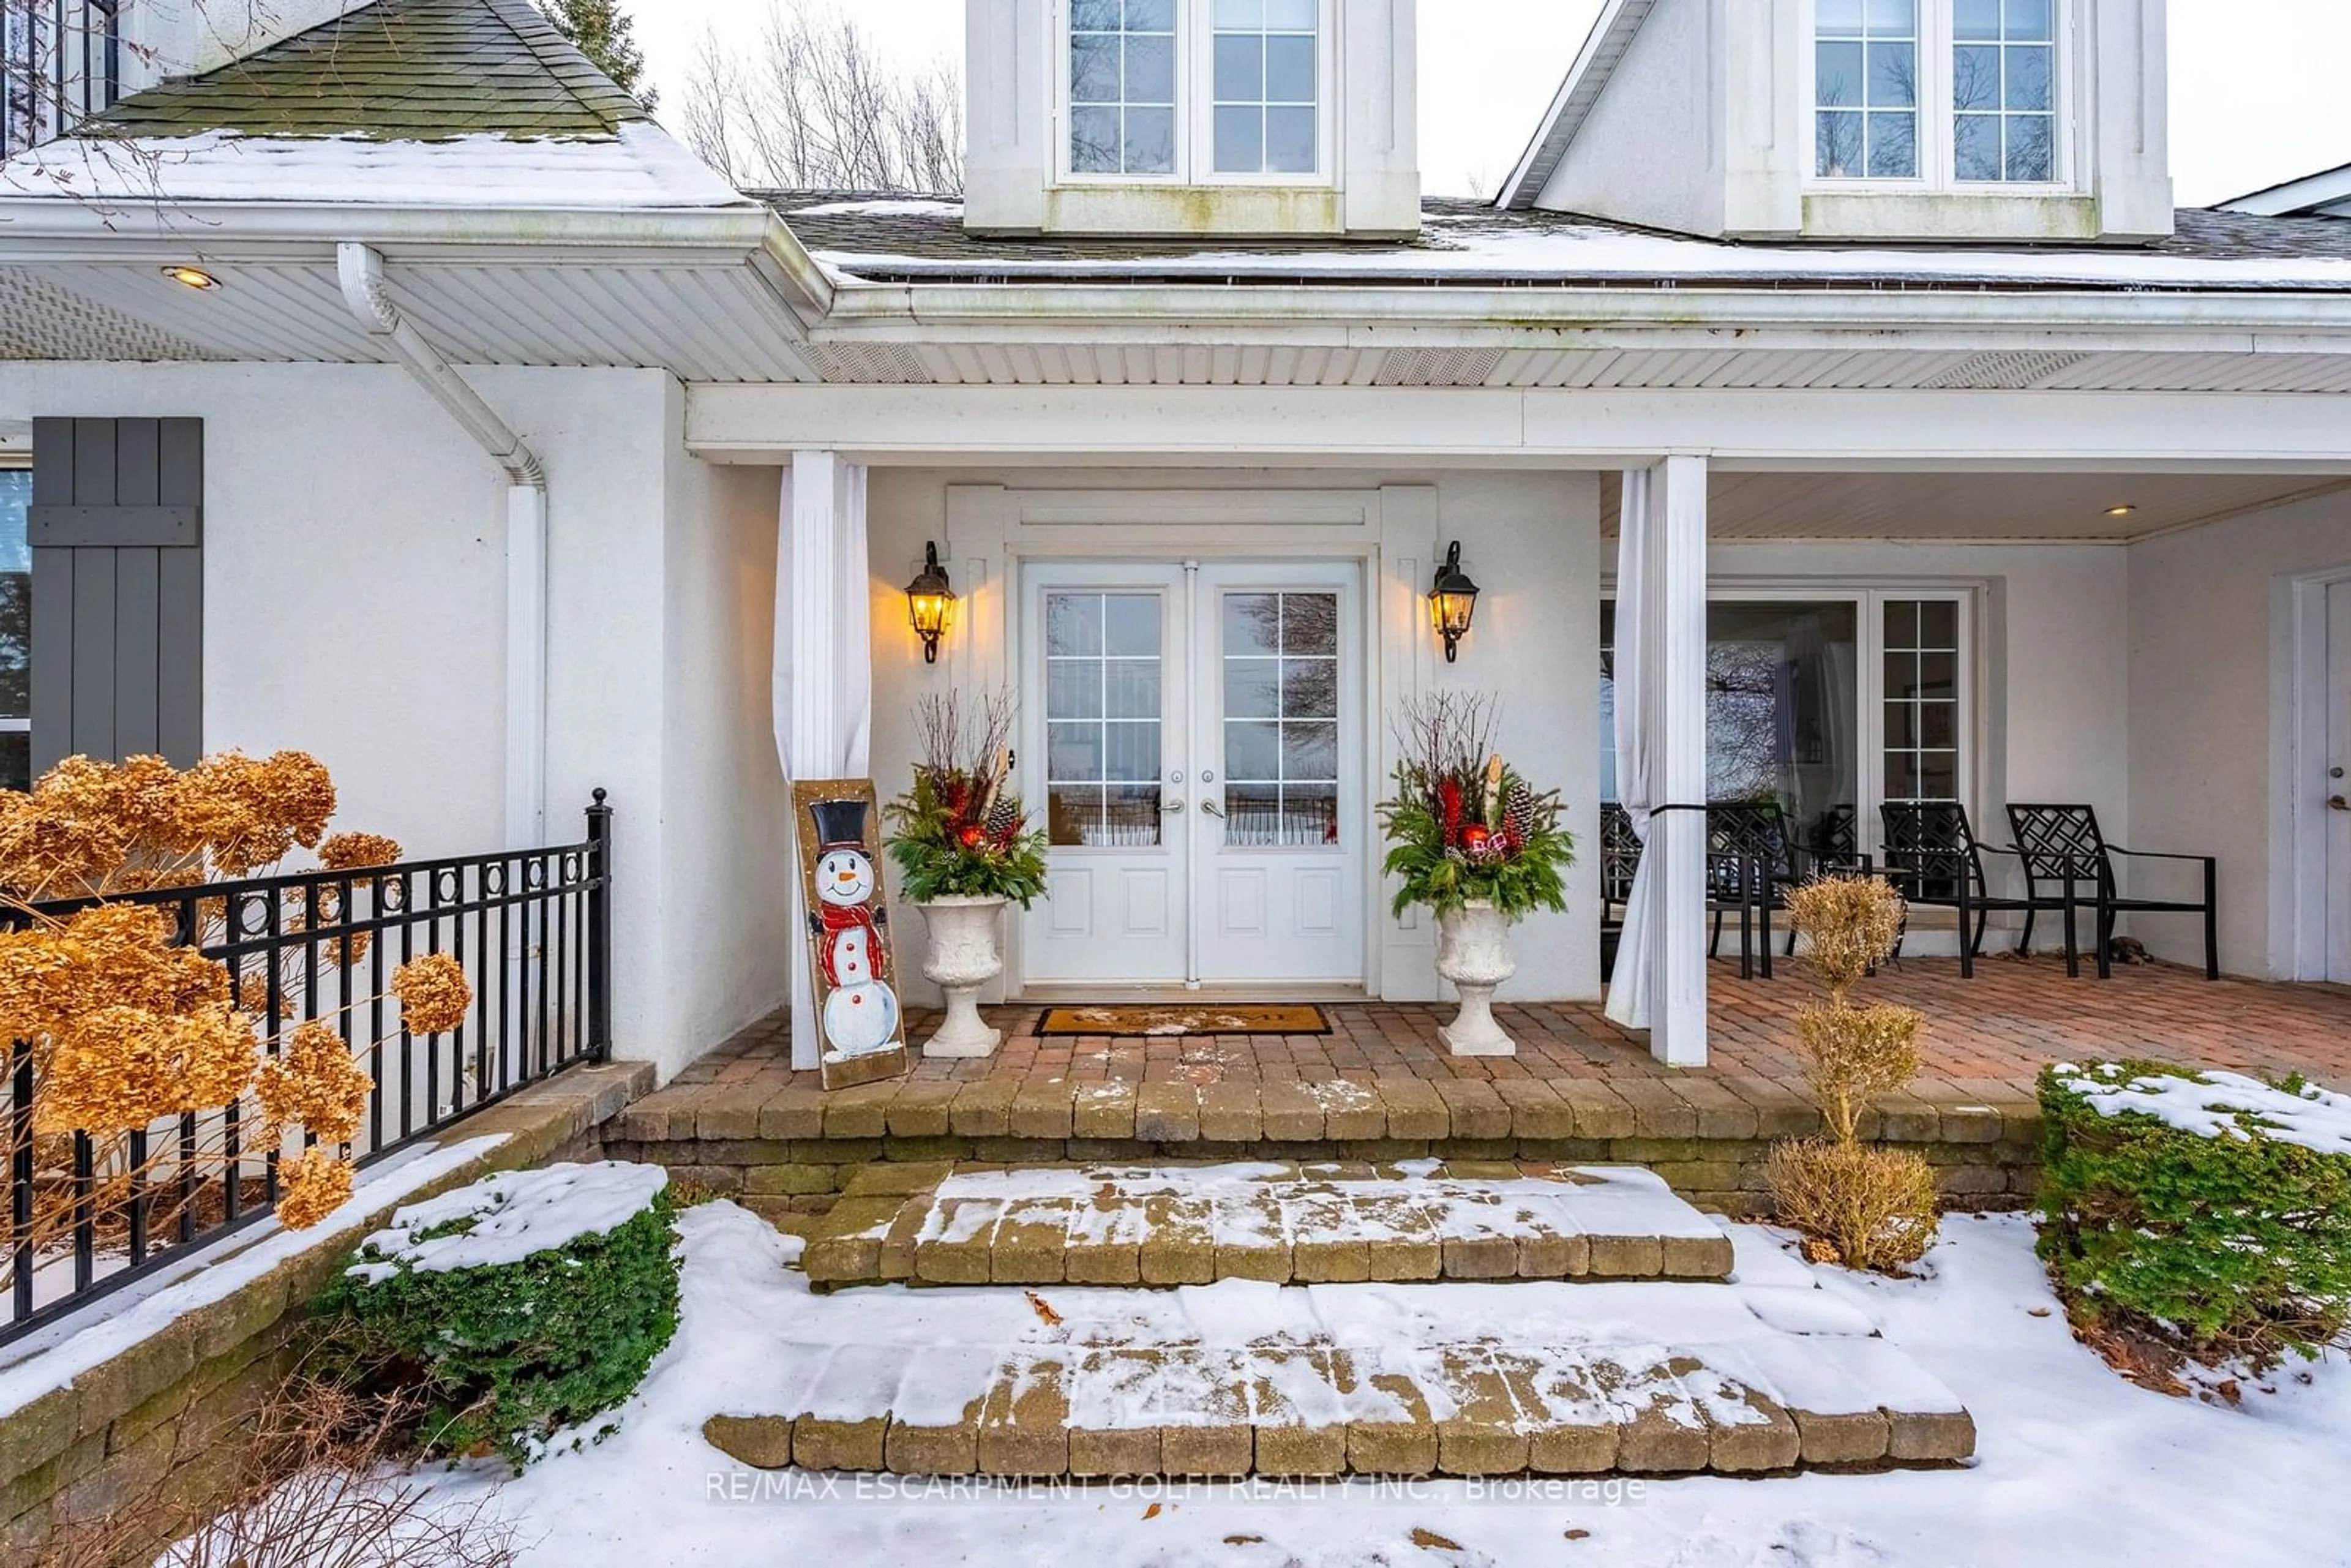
(434, 995)
(311, 1186)
(358, 852)
(313, 1082)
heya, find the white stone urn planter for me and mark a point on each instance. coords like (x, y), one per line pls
(1473, 951)
(964, 955)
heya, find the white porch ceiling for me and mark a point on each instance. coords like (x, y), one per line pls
(1979, 506)
(717, 321)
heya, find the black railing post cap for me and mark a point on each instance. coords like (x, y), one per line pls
(597, 795)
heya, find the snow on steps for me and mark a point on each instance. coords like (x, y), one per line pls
(1762, 1372)
(1277, 1223)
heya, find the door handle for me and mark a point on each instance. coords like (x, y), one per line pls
(1212, 808)
(1171, 807)
(2337, 803)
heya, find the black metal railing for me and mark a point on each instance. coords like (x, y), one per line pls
(531, 928)
(61, 62)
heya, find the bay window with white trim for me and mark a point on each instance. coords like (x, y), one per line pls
(1199, 91)
(1829, 702)
(1953, 96)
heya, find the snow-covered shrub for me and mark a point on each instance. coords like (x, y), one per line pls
(2205, 1205)
(526, 1302)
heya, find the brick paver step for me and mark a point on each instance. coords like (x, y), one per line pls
(1275, 1222)
(1243, 1378)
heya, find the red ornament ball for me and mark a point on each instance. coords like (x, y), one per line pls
(1474, 837)
(972, 834)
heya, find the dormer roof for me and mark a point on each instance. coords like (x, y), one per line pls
(1611, 35)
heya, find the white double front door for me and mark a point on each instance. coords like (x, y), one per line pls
(1200, 731)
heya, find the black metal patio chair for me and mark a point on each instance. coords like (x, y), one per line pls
(1620, 860)
(1750, 863)
(2062, 845)
(1934, 860)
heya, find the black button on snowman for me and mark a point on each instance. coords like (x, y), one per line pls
(860, 1016)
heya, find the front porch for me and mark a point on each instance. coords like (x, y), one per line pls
(1379, 1087)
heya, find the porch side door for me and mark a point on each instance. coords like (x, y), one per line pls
(1280, 820)
(1103, 706)
(2338, 782)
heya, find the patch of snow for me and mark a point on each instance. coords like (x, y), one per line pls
(2076, 1466)
(53, 1357)
(510, 1215)
(1469, 250)
(2217, 1105)
(882, 207)
(643, 167)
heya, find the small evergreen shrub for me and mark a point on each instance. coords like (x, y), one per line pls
(1875, 1208)
(2210, 1207)
(529, 1302)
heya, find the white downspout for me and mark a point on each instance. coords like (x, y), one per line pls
(361, 271)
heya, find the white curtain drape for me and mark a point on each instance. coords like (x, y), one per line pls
(1632, 982)
(823, 691)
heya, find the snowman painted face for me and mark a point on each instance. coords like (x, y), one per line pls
(845, 877)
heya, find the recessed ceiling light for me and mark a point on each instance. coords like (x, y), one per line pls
(2125, 510)
(194, 277)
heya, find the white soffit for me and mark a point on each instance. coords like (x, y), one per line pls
(711, 321)
(1980, 505)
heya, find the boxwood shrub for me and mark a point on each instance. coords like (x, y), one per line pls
(526, 1303)
(2204, 1206)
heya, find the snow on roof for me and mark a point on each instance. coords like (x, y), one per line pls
(2217, 1104)
(640, 167)
(899, 239)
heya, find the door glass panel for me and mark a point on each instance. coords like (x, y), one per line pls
(1102, 716)
(1281, 734)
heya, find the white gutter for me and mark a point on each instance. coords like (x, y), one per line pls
(361, 271)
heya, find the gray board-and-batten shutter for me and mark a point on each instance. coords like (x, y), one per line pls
(116, 527)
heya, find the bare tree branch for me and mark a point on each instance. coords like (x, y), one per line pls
(815, 107)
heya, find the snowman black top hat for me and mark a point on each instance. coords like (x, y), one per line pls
(839, 824)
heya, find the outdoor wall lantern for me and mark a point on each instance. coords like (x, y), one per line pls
(929, 601)
(1452, 602)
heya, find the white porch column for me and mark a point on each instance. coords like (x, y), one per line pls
(823, 665)
(1674, 678)
(1659, 983)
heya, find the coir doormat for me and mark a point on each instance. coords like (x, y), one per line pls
(1130, 1022)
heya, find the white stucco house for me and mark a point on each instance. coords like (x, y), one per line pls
(411, 398)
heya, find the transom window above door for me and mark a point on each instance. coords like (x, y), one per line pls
(1184, 90)
(1947, 94)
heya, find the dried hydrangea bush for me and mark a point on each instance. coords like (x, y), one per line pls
(140, 1044)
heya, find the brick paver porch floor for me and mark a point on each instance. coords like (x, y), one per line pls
(1987, 1038)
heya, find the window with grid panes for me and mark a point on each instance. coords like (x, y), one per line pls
(1282, 720)
(1123, 80)
(1268, 61)
(1102, 716)
(1865, 89)
(2005, 89)
(1921, 689)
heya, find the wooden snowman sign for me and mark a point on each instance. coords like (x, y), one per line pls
(848, 934)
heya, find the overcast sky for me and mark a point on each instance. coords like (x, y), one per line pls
(2259, 89)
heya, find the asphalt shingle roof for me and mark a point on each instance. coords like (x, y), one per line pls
(885, 239)
(398, 69)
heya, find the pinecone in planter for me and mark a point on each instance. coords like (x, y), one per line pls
(1519, 812)
(1003, 820)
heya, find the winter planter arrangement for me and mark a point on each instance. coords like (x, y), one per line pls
(2203, 1214)
(964, 849)
(1475, 845)
(526, 1304)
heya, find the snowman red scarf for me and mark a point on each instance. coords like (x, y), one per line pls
(857, 916)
